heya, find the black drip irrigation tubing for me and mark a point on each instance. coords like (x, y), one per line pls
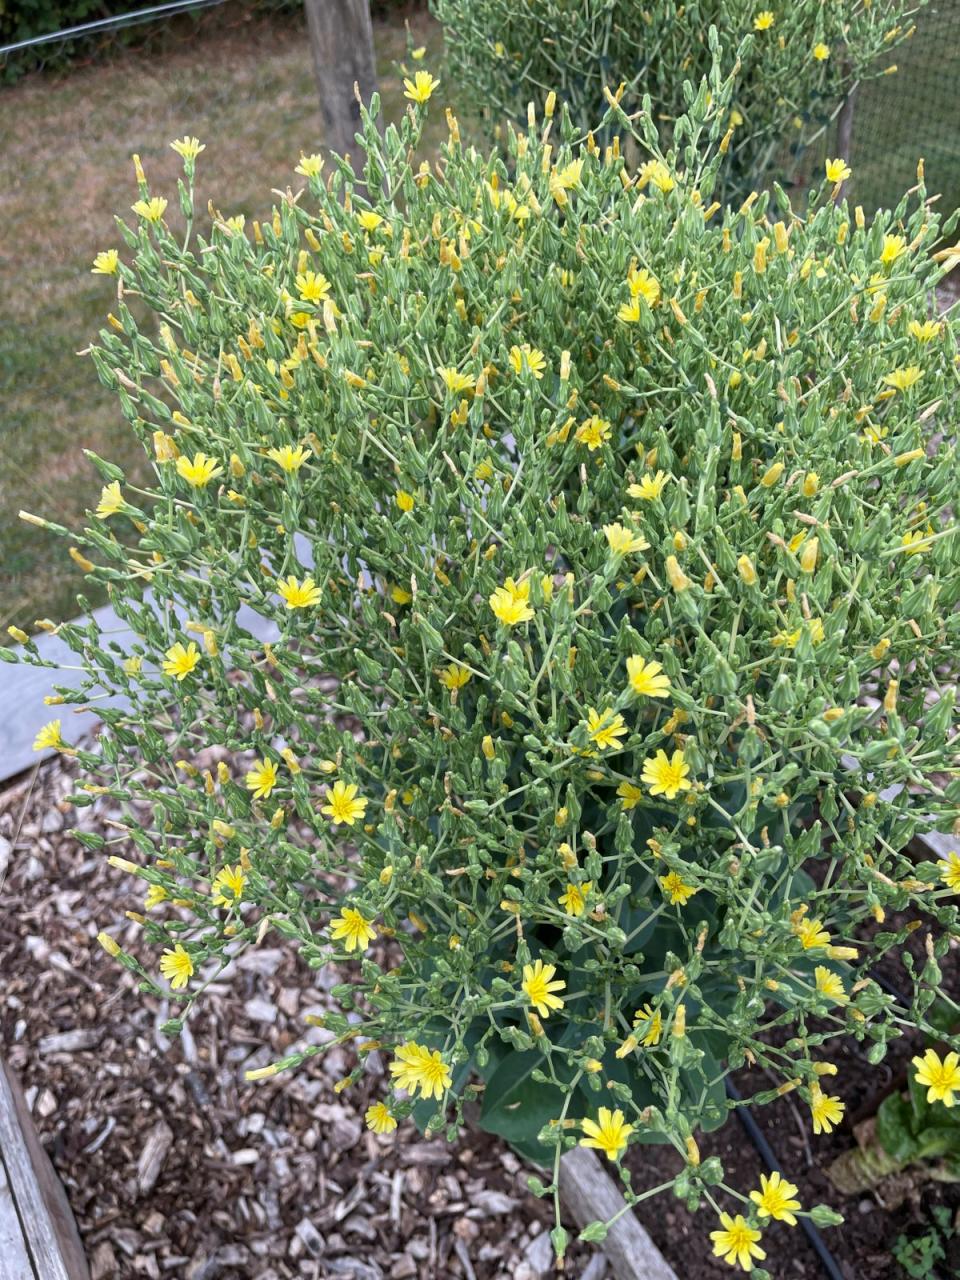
(765, 1151)
(766, 1154)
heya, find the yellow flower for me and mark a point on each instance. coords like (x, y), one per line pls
(609, 1136)
(313, 286)
(188, 147)
(666, 777)
(289, 458)
(647, 679)
(417, 1067)
(650, 487)
(630, 312)
(379, 1118)
(656, 171)
(764, 20)
(228, 886)
(949, 869)
(892, 248)
(399, 596)
(344, 805)
(837, 170)
(405, 501)
(106, 263)
(774, 1199)
(569, 176)
(821, 51)
(676, 889)
(180, 661)
(177, 967)
(111, 501)
(152, 209)
(454, 676)
(298, 595)
(830, 984)
(456, 382)
(310, 166)
(529, 358)
(675, 575)
(790, 639)
(49, 737)
(356, 931)
(510, 603)
(904, 379)
(575, 898)
(925, 332)
(826, 1111)
(623, 541)
(940, 1079)
(605, 730)
(736, 1242)
(420, 87)
(811, 934)
(643, 285)
(262, 778)
(915, 541)
(199, 470)
(594, 432)
(369, 220)
(747, 571)
(539, 985)
(649, 1022)
(154, 896)
(630, 795)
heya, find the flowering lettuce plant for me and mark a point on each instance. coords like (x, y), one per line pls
(797, 62)
(608, 539)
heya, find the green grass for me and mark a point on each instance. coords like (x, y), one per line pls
(248, 92)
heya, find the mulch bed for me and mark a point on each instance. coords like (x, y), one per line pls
(176, 1167)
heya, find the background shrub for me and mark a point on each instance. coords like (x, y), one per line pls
(798, 67)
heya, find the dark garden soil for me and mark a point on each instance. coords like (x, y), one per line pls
(862, 1246)
(175, 1167)
(873, 1221)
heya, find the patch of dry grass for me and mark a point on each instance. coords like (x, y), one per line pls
(244, 86)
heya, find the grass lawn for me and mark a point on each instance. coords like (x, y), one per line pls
(245, 87)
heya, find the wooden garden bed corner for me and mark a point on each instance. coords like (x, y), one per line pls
(589, 1194)
(38, 1236)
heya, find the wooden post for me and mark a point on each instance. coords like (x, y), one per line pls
(341, 39)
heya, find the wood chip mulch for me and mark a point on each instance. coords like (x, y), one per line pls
(173, 1164)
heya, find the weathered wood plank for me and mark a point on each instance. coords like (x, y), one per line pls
(23, 688)
(14, 1262)
(49, 1235)
(591, 1195)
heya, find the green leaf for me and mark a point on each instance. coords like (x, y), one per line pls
(895, 1132)
(516, 1107)
(594, 1233)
